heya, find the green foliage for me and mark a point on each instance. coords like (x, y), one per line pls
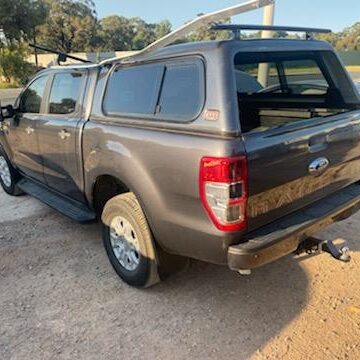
(13, 66)
(114, 33)
(162, 28)
(204, 34)
(70, 25)
(120, 33)
(346, 40)
(19, 18)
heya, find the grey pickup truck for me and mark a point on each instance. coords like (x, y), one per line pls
(232, 152)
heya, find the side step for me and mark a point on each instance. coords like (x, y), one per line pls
(71, 209)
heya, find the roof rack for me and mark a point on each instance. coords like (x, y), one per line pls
(62, 57)
(236, 29)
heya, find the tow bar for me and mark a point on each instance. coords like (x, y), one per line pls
(312, 245)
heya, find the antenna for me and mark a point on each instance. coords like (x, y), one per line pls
(62, 57)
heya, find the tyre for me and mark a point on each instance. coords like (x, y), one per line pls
(128, 241)
(9, 177)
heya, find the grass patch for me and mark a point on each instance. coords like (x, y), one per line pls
(353, 68)
(8, 85)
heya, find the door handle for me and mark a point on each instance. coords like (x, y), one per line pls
(63, 134)
(29, 130)
(318, 166)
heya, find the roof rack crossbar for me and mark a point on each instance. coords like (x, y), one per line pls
(61, 55)
(236, 29)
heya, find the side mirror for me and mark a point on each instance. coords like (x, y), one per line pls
(6, 112)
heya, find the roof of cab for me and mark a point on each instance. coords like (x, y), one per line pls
(251, 45)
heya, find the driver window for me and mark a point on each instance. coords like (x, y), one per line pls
(30, 101)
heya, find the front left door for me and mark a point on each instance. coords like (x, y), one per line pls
(59, 138)
(22, 133)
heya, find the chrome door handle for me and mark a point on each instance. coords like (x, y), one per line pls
(29, 130)
(318, 166)
(63, 134)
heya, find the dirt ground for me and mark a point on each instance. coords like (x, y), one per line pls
(59, 298)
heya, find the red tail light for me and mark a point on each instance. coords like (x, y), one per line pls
(224, 191)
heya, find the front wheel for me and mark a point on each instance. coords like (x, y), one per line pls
(8, 176)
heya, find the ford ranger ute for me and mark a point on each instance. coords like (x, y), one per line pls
(232, 152)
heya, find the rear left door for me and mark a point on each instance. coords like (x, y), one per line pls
(59, 133)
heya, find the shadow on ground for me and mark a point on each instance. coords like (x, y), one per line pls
(60, 297)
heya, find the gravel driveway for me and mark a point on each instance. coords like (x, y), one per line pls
(59, 298)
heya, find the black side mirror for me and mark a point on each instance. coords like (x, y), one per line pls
(6, 112)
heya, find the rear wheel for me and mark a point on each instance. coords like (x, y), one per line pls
(8, 176)
(130, 246)
(128, 241)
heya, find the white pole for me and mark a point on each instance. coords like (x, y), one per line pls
(268, 19)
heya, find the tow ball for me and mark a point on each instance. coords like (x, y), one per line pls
(312, 245)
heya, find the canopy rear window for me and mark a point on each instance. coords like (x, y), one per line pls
(279, 88)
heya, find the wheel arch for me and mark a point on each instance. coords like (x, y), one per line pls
(104, 188)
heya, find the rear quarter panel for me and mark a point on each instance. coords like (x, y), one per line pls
(159, 162)
(162, 169)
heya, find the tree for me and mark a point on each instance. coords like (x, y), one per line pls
(348, 39)
(118, 33)
(162, 29)
(13, 67)
(206, 34)
(115, 33)
(18, 19)
(144, 33)
(71, 25)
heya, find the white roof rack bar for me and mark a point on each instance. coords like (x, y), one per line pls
(203, 20)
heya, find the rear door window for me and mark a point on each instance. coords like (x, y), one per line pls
(133, 90)
(172, 91)
(182, 91)
(65, 92)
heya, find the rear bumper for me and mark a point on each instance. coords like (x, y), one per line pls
(282, 237)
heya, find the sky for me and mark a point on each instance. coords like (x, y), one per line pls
(333, 14)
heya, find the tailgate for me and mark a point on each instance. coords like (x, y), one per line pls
(301, 128)
(282, 178)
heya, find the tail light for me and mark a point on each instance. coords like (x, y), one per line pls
(224, 191)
